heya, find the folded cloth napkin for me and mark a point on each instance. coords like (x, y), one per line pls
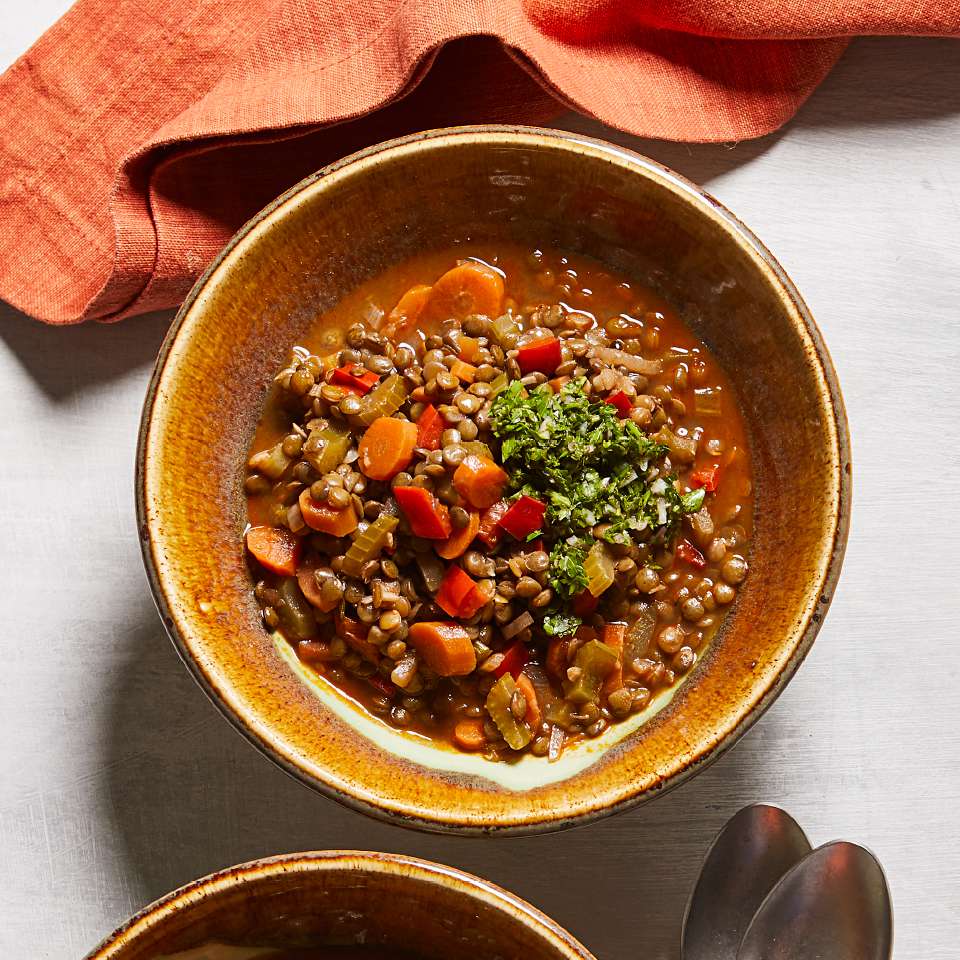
(139, 136)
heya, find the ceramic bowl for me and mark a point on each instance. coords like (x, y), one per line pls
(347, 223)
(344, 897)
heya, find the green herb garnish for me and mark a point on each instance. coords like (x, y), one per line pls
(693, 500)
(567, 576)
(560, 624)
(587, 465)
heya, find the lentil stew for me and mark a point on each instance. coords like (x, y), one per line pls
(499, 497)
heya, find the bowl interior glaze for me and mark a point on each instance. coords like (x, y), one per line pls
(344, 897)
(346, 224)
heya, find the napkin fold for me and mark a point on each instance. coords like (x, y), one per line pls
(139, 136)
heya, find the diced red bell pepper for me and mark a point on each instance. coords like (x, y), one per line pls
(490, 531)
(584, 603)
(541, 356)
(524, 517)
(384, 686)
(513, 661)
(706, 477)
(458, 595)
(429, 428)
(428, 517)
(556, 662)
(622, 402)
(585, 634)
(689, 553)
(354, 634)
(360, 384)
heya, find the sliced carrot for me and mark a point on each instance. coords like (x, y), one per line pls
(459, 540)
(386, 448)
(525, 686)
(277, 549)
(446, 648)
(463, 371)
(408, 309)
(468, 288)
(469, 348)
(469, 735)
(613, 635)
(318, 516)
(480, 481)
(315, 651)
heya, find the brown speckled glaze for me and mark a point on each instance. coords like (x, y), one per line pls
(345, 224)
(345, 897)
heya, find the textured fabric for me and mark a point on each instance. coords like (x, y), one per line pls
(139, 136)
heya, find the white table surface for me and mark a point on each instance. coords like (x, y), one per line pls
(119, 781)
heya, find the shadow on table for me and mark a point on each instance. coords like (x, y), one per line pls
(185, 795)
(64, 360)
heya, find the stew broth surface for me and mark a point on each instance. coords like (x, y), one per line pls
(670, 595)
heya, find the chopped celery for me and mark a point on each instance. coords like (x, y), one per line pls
(296, 614)
(368, 545)
(384, 400)
(599, 569)
(707, 403)
(514, 731)
(477, 448)
(498, 384)
(595, 660)
(683, 450)
(271, 463)
(506, 330)
(326, 448)
(638, 638)
(559, 713)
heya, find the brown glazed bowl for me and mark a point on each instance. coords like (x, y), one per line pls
(344, 897)
(348, 222)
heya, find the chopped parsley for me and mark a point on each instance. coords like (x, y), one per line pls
(567, 576)
(560, 624)
(693, 500)
(589, 467)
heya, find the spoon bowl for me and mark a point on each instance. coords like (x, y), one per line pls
(745, 862)
(833, 905)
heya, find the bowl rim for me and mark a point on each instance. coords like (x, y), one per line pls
(315, 862)
(831, 399)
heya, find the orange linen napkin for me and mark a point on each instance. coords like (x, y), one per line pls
(139, 136)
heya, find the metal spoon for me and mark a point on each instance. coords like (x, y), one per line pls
(747, 859)
(833, 905)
